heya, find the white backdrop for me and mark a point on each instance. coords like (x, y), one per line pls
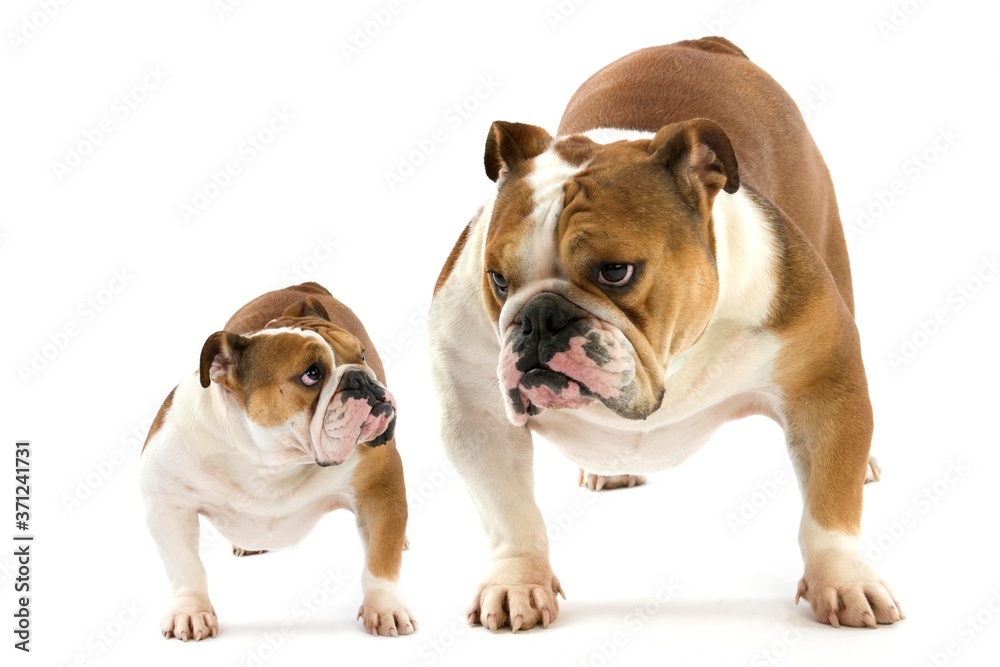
(163, 163)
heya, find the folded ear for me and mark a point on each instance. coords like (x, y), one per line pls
(307, 307)
(220, 357)
(700, 154)
(508, 145)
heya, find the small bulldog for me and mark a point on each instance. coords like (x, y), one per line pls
(671, 260)
(286, 419)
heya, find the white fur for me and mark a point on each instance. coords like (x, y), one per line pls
(725, 375)
(259, 487)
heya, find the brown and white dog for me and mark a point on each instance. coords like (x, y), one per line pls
(633, 285)
(287, 418)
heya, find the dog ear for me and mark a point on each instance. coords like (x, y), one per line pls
(307, 307)
(700, 154)
(508, 145)
(220, 356)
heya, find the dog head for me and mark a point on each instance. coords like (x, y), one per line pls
(599, 262)
(303, 385)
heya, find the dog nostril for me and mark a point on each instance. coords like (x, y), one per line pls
(546, 321)
(354, 380)
(555, 320)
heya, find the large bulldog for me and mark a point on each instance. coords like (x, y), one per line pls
(671, 260)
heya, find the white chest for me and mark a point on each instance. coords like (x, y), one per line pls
(726, 376)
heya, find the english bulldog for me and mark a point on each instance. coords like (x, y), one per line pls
(672, 259)
(287, 418)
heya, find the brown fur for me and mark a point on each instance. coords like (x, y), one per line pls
(701, 79)
(827, 413)
(449, 264)
(161, 416)
(378, 479)
(625, 200)
(255, 316)
(764, 145)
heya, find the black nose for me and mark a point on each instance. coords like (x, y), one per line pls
(356, 383)
(548, 322)
(546, 314)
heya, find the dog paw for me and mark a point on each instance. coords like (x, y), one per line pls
(606, 482)
(190, 618)
(386, 615)
(844, 590)
(874, 472)
(246, 552)
(522, 606)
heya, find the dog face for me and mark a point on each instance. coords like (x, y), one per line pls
(599, 263)
(304, 386)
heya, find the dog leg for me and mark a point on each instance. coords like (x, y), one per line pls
(175, 531)
(238, 552)
(495, 461)
(596, 482)
(829, 441)
(380, 506)
(874, 472)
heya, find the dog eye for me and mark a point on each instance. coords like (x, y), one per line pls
(615, 275)
(500, 283)
(312, 376)
(362, 355)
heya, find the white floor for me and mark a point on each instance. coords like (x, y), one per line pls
(108, 293)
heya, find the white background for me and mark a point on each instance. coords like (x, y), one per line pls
(879, 98)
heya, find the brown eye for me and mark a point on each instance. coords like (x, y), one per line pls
(362, 355)
(615, 275)
(312, 376)
(500, 283)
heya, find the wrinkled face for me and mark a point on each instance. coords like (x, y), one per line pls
(598, 267)
(305, 389)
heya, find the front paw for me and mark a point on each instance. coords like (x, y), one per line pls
(190, 618)
(384, 613)
(596, 482)
(844, 590)
(518, 595)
